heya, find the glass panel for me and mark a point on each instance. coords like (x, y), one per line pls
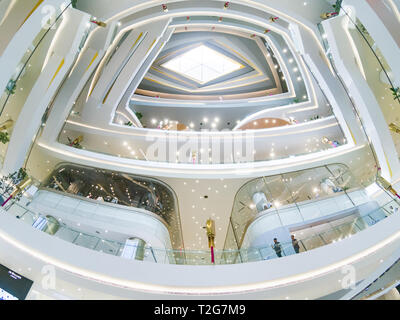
(202, 64)
(67, 234)
(308, 238)
(86, 241)
(117, 188)
(109, 247)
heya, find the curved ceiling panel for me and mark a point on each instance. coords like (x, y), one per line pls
(210, 65)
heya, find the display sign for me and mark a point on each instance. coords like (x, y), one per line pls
(12, 285)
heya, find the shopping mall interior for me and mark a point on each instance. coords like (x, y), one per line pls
(185, 149)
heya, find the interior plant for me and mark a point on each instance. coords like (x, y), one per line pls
(4, 137)
(139, 115)
(22, 174)
(8, 183)
(396, 93)
(129, 124)
(17, 176)
(73, 3)
(75, 143)
(338, 5)
(11, 86)
(363, 29)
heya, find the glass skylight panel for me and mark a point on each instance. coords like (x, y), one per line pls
(202, 64)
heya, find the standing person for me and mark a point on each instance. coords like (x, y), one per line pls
(277, 247)
(295, 244)
(393, 210)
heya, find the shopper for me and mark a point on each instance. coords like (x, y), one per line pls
(277, 247)
(393, 210)
(295, 244)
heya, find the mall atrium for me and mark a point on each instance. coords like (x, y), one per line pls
(155, 149)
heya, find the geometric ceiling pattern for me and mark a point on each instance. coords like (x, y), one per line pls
(212, 65)
(202, 64)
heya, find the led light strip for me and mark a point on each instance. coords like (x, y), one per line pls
(154, 167)
(31, 12)
(243, 288)
(56, 73)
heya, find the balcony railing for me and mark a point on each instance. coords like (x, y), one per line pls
(201, 257)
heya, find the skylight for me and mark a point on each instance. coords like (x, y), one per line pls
(202, 64)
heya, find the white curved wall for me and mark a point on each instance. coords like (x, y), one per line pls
(305, 212)
(99, 275)
(125, 221)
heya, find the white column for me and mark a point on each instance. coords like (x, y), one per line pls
(64, 48)
(344, 55)
(23, 35)
(383, 24)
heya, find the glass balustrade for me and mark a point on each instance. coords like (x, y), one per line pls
(297, 197)
(387, 280)
(15, 95)
(27, 72)
(375, 70)
(330, 235)
(212, 147)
